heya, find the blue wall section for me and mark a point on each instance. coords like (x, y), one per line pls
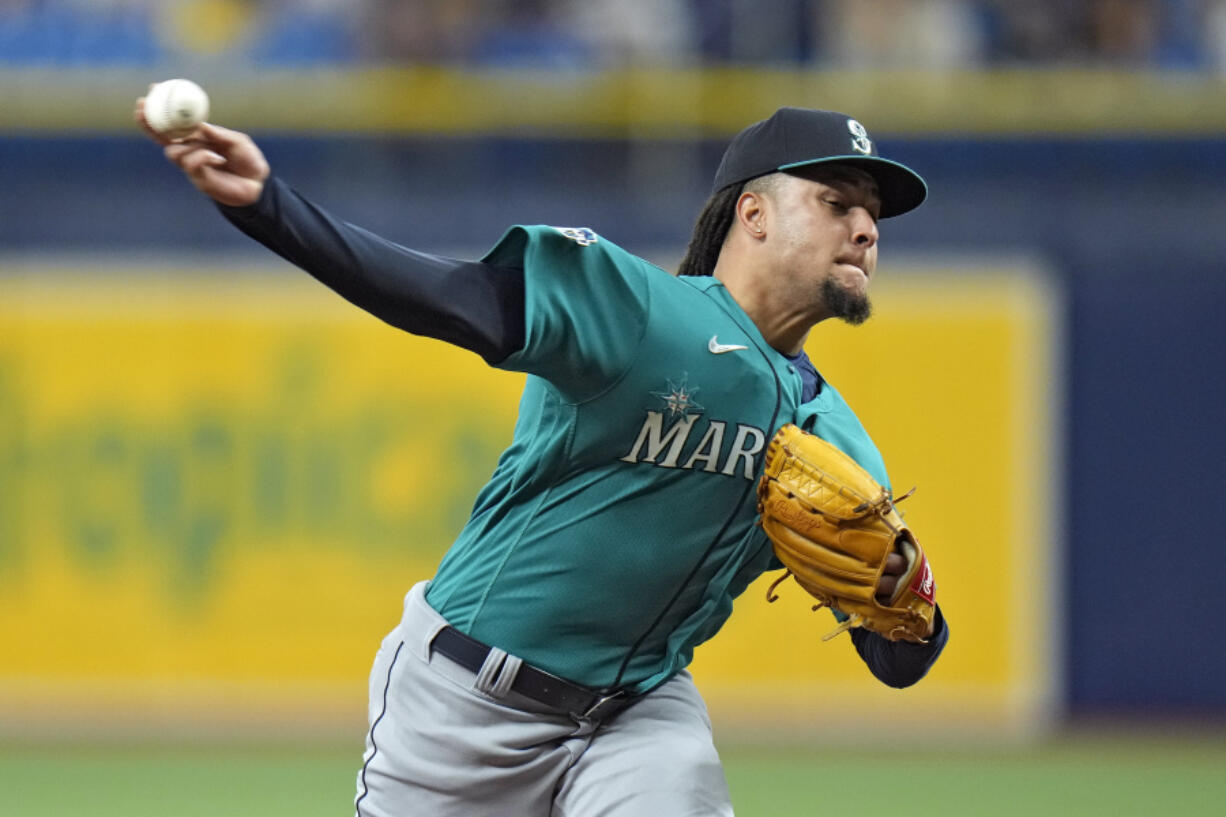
(1147, 444)
(1089, 204)
(1132, 226)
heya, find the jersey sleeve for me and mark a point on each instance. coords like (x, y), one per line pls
(586, 304)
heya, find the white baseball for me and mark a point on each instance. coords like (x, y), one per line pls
(176, 107)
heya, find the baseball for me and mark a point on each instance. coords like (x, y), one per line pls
(176, 107)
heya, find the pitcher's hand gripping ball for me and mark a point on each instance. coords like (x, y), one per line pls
(176, 107)
(832, 526)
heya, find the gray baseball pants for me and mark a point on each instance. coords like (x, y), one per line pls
(445, 741)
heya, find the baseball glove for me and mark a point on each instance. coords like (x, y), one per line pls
(832, 526)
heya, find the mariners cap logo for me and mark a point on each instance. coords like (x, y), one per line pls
(860, 142)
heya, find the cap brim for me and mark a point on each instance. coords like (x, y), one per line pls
(900, 187)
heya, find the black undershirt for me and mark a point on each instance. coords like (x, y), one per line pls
(477, 306)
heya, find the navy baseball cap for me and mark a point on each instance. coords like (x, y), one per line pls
(793, 138)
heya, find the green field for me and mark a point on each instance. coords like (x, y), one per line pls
(1073, 775)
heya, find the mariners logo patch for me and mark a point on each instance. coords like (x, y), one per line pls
(582, 236)
(860, 142)
(678, 398)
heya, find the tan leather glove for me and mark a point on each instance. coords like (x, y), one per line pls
(832, 526)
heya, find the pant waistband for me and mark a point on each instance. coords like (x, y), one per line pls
(581, 702)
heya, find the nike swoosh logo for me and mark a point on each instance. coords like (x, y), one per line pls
(717, 348)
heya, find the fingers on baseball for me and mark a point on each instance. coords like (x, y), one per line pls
(138, 113)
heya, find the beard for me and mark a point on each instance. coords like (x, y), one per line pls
(851, 307)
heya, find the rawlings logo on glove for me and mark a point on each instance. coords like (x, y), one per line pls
(833, 527)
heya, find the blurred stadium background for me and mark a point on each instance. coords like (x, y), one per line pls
(217, 480)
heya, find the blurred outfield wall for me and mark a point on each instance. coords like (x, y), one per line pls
(156, 361)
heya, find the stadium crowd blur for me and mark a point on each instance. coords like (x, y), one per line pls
(1188, 35)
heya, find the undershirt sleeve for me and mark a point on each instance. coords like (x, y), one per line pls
(900, 663)
(472, 304)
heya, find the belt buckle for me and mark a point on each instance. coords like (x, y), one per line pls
(602, 704)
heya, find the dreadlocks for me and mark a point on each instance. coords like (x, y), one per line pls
(711, 228)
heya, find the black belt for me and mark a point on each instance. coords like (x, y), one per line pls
(577, 701)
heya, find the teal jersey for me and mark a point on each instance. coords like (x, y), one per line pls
(619, 524)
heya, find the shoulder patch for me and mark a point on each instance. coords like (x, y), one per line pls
(582, 236)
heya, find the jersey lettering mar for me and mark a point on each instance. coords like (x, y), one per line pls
(653, 442)
(649, 401)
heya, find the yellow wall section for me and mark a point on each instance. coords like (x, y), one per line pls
(216, 479)
(235, 479)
